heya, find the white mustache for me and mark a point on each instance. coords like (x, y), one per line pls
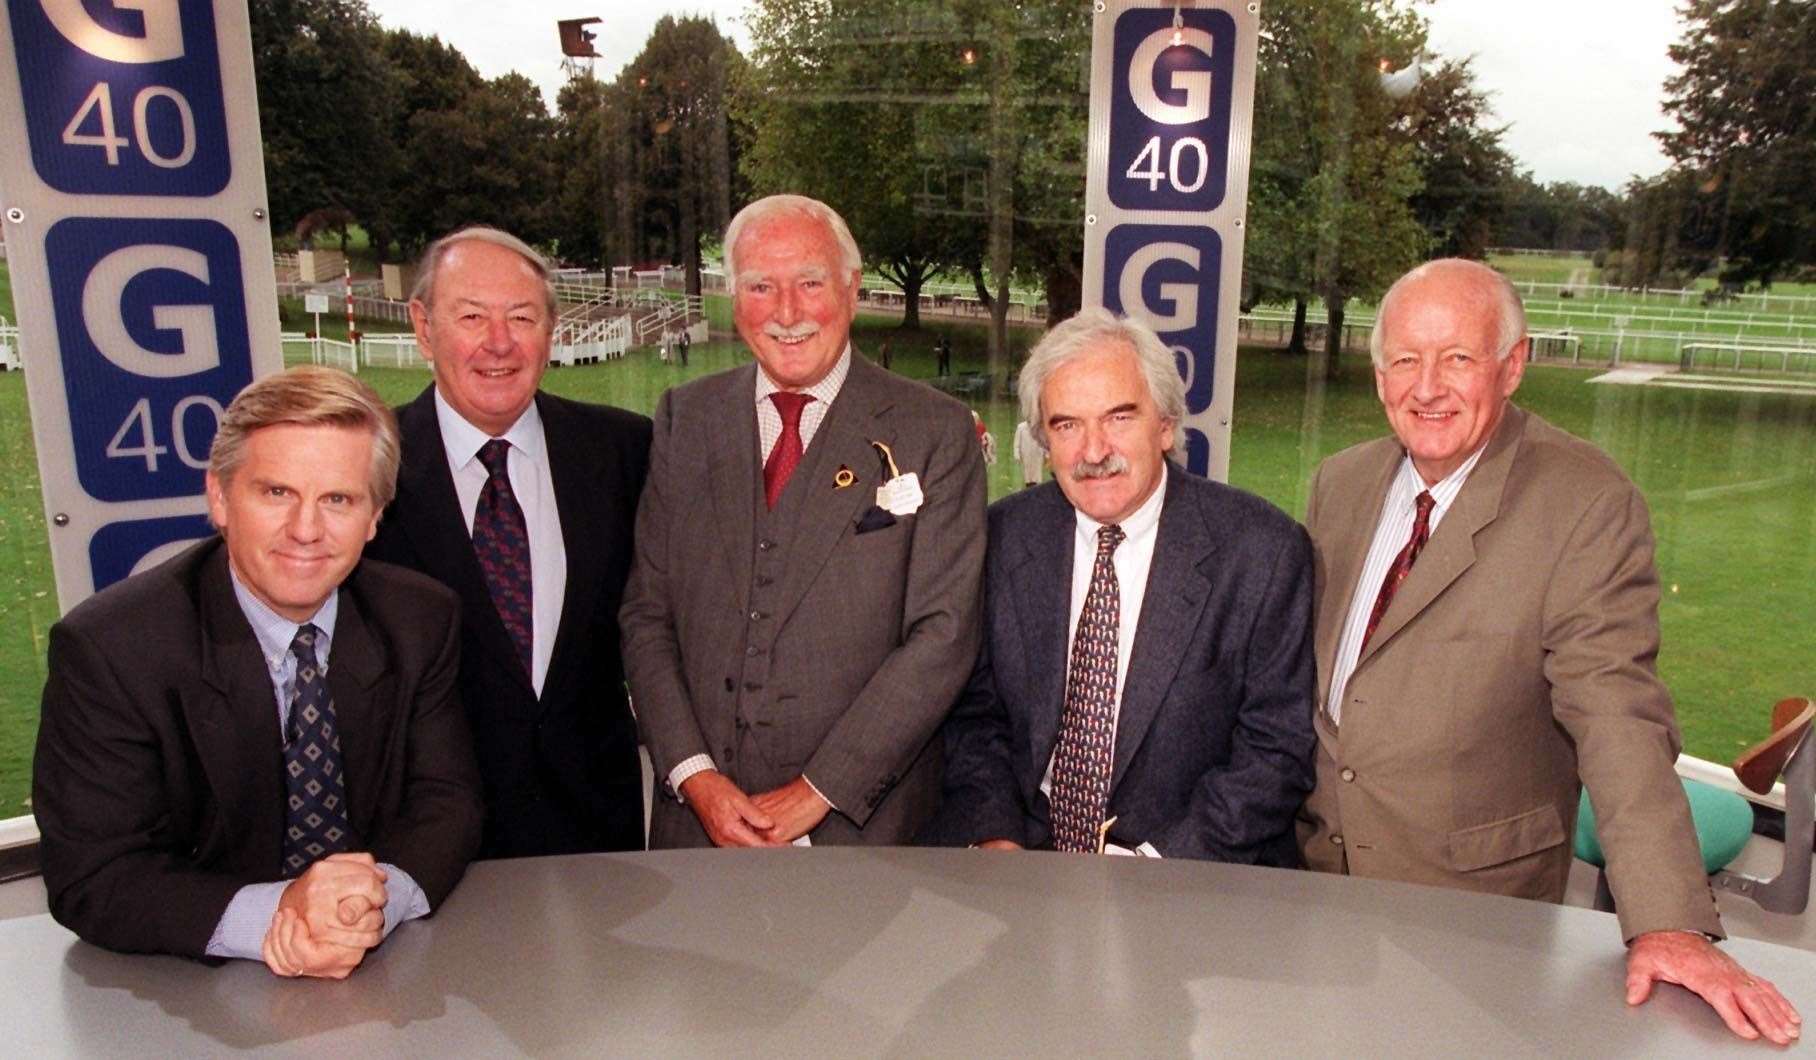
(1114, 464)
(799, 331)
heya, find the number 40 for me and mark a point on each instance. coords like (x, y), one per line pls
(99, 103)
(1150, 154)
(147, 447)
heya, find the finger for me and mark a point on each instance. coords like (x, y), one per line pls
(1639, 985)
(285, 934)
(350, 938)
(1764, 1015)
(352, 908)
(1727, 1005)
(268, 949)
(752, 815)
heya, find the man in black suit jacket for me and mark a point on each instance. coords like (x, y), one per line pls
(1200, 745)
(545, 695)
(161, 779)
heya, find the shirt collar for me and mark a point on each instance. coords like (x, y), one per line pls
(1140, 521)
(1445, 490)
(462, 440)
(823, 391)
(275, 632)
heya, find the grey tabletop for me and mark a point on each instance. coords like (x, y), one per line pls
(901, 953)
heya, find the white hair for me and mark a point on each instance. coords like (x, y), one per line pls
(1510, 313)
(777, 206)
(1086, 332)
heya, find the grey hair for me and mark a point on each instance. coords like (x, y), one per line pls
(312, 396)
(423, 290)
(777, 206)
(1510, 312)
(1086, 332)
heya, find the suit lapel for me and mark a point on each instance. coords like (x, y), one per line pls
(731, 433)
(234, 721)
(826, 513)
(1451, 550)
(1184, 548)
(1348, 521)
(357, 663)
(582, 526)
(1040, 596)
(428, 513)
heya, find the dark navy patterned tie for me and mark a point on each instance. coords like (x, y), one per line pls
(315, 821)
(501, 540)
(1080, 791)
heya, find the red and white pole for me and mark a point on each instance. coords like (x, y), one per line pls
(352, 335)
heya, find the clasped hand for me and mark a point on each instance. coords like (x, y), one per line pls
(770, 819)
(328, 918)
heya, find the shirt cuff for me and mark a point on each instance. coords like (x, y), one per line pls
(817, 791)
(404, 900)
(240, 933)
(688, 767)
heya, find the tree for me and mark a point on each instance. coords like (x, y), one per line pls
(430, 77)
(1747, 133)
(1465, 174)
(1331, 183)
(326, 96)
(669, 116)
(949, 133)
(486, 160)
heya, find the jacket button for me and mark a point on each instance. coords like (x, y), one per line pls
(1347, 774)
(756, 616)
(728, 684)
(1336, 840)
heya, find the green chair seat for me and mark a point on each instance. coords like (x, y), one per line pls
(1723, 821)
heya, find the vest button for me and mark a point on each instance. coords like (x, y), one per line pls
(1336, 840)
(1348, 775)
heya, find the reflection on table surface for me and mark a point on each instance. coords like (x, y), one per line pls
(902, 952)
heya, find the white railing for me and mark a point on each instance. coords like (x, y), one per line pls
(379, 309)
(391, 351)
(1737, 355)
(300, 346)
(10, 358)
(591, 341)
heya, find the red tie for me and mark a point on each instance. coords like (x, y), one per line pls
(787, 453)
(1421, 533)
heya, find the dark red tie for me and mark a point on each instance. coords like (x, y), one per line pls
(1421, 533)
(501, 540)
(787, 453)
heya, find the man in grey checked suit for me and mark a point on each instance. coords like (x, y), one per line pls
(799, 617)
(1185, 603)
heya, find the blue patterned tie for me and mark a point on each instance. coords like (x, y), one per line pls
(315, 822)
(501, 540)
(1080, 791)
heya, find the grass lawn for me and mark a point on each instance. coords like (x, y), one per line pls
(1731, 479)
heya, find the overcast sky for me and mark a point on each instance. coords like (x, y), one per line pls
(1578, 81)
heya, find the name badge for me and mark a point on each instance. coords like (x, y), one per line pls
(900, 495)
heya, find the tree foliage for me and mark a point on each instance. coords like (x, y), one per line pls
(1747, 136)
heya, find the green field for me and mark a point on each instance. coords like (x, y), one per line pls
(1731, 479)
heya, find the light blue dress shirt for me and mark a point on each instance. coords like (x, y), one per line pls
(241, 930)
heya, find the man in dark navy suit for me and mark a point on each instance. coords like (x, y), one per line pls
(1145, 684)
(522, 503)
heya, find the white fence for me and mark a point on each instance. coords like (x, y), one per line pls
(9, 346)
(591, 341)
(300, 346)
(391, 351)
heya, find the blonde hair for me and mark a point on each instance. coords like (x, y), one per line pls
(310, 396)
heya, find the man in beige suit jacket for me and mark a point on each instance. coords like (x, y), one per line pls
(1513, 660)
(793, 640)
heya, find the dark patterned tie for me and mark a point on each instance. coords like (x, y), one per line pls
(1082, 762)
(787, 453)
(501, 540)
(315, 821)
(1421, 533)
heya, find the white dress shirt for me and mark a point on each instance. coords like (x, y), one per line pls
(1131, 560)
(531, 481)
(1392, 532)
(769, 432)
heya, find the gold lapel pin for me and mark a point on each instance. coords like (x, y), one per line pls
(843, 477)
